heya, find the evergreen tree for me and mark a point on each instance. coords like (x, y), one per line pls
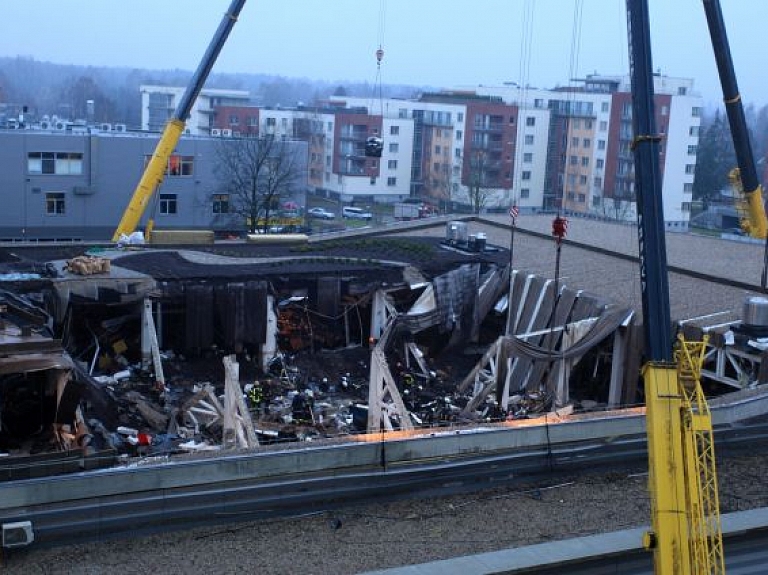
(715, 158)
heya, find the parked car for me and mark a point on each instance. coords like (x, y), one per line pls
(321, 214)
(356, 213)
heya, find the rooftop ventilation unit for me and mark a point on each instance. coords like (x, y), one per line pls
(227, 133)
(120, 128)
(215, 132)
(106, 127)
(45, 125)
(18, 534)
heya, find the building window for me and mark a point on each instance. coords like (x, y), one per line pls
(588, 124)
(525, 193)
(529, 139)
(582, 198)
(692, 150)
(271, 122)
(682, 91)
(530, 121)
(392, 164)
(459, 135)
(394, 130)
(402, 113)
(695, 111)
(526, 175)
(168, 204)
(527, 157)
(573, 160)
(460, 117)
(391, 181)
(436, 167)
(603, 126)
(394, 147)
(685, 206)
(234, 120)
(583, 180)
(598, 182)
(574, 142)
(457, 153)
(693, 131)
(599, 163)
(220, 203)
(54, 204)
(604, 107)
(601, 144)
(177, 165)
(690, 168)
(329, 126)
(59, 163)
(180, 165)
(576, 124)
(688, 188)
(586, 143)
(438, 150)
(253, 121)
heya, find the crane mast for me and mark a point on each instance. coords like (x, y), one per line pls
(685, 534)
(158, 163)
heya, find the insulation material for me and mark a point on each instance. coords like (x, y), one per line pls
(457, 302)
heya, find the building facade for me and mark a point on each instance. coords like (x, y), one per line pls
(159, 102)
(59, 185)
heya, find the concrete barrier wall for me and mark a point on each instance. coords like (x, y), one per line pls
(344, 458)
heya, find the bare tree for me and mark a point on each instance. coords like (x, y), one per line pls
(256, 173)
(477, 188)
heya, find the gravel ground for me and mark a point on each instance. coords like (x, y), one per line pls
(361, 538)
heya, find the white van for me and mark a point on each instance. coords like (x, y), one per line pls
(356, 213)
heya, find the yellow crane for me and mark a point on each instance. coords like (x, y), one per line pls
(685, 536)
(156, 168)
(744, 180)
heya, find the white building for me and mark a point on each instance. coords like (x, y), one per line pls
(159, 102)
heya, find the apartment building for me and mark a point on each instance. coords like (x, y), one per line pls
(159, 102)
(589, 163)
(566, 148)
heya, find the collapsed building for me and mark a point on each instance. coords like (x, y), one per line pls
(163, 350)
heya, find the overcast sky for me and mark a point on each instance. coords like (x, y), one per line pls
(441, 43)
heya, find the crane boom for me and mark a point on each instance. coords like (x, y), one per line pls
(685, 533)
(156, 168)
(745, 180)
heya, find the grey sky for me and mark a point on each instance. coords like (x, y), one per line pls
(442, 43)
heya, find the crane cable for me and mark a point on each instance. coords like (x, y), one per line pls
(559, 223)
(524, 66)
(378, 91)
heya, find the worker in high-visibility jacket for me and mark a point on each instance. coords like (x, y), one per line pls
(255, 394)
